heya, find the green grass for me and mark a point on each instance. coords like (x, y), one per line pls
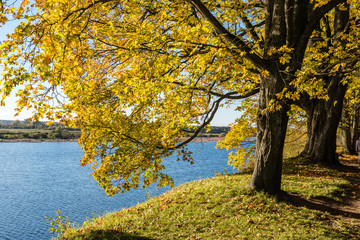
(224, 208)
(313, 180)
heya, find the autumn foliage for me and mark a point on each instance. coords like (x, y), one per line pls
(135, 74)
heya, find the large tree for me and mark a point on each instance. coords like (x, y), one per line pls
(331, 64)
(137, 74)
(333, 59)
(350, 121)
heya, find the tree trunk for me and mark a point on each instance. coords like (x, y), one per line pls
(355, 130)
(323, 121)
(350, 130)
(271, 131)
(324, 116)
(346, 133)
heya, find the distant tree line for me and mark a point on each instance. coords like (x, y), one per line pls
(26, 124)
(59, 131)
(214, 131)
(26, 129)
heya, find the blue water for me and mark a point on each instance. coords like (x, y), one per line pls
(36, 179)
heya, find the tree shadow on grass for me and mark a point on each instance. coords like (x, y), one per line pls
(110, 235)
(347, 193)
(320, 204)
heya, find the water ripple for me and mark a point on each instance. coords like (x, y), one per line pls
(36, 179)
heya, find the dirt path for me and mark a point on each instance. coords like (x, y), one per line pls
(351, 171)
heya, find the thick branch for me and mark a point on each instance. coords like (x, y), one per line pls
(236, 97)
(250, 28)
(229, 37)
(230, 95)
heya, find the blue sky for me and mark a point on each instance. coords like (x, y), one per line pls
(224, 117)
(8, 112)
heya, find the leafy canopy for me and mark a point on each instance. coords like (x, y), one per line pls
(136, 75)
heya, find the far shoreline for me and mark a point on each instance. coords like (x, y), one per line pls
(33, 140)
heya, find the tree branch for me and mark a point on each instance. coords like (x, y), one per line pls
(208, 118)
(229, 95)
(83, 9)
(250, 28)
(314, 20)
(229, 37)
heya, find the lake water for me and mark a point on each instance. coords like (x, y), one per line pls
(36, 179)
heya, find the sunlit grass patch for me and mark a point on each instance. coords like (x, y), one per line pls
(224, 208)
(312, 180)
(315, 186)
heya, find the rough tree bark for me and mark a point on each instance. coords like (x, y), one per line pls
(324, 116)
(271, 133)
(271, 125)
(287, 23)
(350, 129)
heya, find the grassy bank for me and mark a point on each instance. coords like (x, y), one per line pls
(224, 208)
